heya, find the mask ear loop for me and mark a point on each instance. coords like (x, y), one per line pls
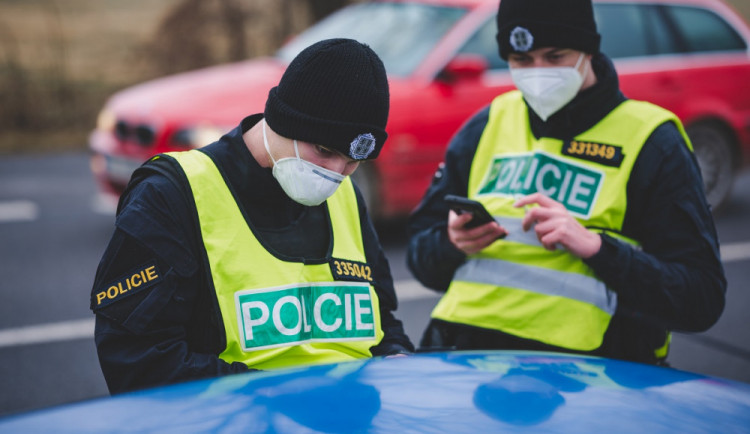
(585, 68)
(296, 151)
(265, 143)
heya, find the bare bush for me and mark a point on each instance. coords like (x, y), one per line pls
(197, 33)
(50, 96)
(35, 98)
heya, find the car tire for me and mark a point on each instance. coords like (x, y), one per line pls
(714, 150)
(366, 179)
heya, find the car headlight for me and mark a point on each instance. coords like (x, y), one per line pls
(198, 136)
(106, 120)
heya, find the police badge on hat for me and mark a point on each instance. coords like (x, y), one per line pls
(521, 39)
(362, 146)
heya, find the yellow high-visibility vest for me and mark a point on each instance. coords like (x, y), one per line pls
(279, 313)
(517, 286)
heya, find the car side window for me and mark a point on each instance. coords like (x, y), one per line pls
(663, 39)
(483, 43)
(623, 28)
(702, 30)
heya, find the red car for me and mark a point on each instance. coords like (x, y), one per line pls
(689, 56)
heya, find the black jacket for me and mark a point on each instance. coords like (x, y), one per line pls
(675, 283)
(170, 329)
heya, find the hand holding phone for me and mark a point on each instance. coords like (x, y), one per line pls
(462, 205)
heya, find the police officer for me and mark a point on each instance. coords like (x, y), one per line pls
(255, 252)
(602, 240)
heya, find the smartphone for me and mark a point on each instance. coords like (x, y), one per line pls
(462, 205)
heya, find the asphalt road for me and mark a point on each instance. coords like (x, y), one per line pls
(53, 232)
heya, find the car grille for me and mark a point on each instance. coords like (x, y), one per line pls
(141, 134)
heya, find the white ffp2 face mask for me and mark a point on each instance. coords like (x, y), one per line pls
(303, 181)
(547, 90)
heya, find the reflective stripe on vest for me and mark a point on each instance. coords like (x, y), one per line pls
(517, 286)
(280, 313)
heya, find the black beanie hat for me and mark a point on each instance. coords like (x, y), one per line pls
(333, 94)
(525, 25)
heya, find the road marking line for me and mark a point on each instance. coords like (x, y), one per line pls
(104, 204)
(46, 333)
(18, 210)
(735, 252)
(411, 289)
(84, 328)
(407, 290)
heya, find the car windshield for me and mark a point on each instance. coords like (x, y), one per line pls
(402, 34)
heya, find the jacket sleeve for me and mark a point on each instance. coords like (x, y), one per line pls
(431, 257)
(146, 293)
(395, 340)
(676, 280)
